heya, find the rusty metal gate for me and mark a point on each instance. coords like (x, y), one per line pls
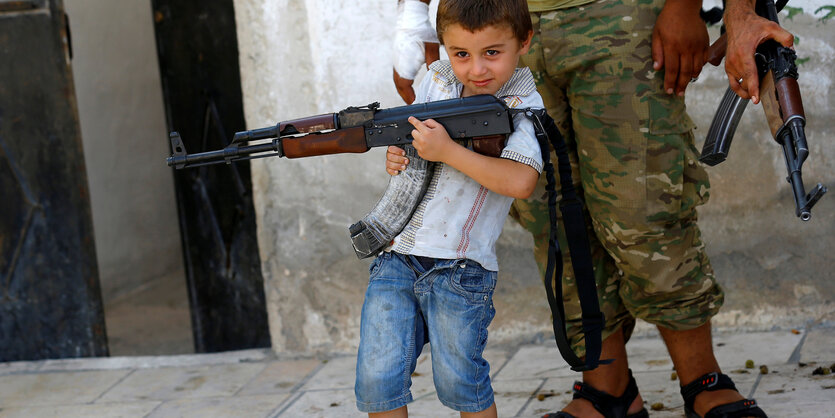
(50, 300)
(198, 58)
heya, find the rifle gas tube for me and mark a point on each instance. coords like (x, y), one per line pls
(783, 108)
(483, 118)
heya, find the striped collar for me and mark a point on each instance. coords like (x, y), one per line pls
(521, 83)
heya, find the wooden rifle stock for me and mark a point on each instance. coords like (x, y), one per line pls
(490, 145)
(781, 102)
(349, 140)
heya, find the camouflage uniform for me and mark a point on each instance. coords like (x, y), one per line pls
(632, 150)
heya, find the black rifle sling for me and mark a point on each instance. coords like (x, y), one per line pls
(571, 208)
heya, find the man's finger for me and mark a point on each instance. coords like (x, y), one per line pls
(753, 87)
(781, 35)
(671, 69)
(685, 73)
(751, 81)
(699, 61)
(736, 86)
(657, 52)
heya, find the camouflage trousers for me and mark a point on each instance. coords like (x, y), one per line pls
(633, 157)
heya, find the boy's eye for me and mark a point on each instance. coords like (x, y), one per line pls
(491, 52)
(461, 54)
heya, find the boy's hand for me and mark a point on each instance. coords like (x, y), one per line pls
(395, 160)
(431, 139)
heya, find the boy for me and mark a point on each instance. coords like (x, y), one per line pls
(435, 282)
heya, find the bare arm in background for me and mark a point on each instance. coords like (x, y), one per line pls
(404, 82)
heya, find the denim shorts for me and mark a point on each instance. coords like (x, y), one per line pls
(406, 304)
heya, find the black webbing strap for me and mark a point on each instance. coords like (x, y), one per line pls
(571, 208)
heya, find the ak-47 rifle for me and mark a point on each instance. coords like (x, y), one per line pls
(358, 129)
(484, 119)
(783, 108)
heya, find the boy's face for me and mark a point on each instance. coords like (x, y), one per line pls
(483, 60)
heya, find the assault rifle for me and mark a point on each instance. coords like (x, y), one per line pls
(783, 108)
(483, 118)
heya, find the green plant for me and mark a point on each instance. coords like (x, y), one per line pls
(792, 12)
(830, 12)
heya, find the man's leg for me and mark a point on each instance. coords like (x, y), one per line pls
(692, 355)
(532, 214)
(610, 378)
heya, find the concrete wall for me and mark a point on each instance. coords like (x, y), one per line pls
(123, 128)
(315, 56)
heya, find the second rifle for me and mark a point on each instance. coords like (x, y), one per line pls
(783, 108)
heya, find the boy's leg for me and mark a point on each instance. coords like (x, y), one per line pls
(401, 412)
(487, 413)
(456, 297)
(391, 337)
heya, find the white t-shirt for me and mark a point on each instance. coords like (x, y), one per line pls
(459, 218)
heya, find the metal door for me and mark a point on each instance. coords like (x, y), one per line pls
(198, 58)
(50, 300)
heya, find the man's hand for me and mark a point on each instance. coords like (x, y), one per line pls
(405, 85)
(679, 44)
(745, 31)
(430, 139)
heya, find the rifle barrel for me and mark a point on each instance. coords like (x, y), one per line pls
(228, 154)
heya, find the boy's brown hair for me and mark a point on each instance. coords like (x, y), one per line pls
(474, 15)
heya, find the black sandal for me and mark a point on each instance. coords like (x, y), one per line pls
(717, 381)
(608, 405)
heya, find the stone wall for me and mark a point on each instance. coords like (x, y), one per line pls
(306, 57)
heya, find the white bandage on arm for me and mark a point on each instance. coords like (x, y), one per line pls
(413, 29)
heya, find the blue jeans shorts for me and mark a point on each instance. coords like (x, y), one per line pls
(410, 301)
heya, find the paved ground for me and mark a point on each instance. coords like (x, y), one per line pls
(529, 380)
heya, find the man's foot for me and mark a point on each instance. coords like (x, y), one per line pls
(590, 402)
(715, 395)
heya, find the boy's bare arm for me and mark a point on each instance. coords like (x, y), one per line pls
(500, 175)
